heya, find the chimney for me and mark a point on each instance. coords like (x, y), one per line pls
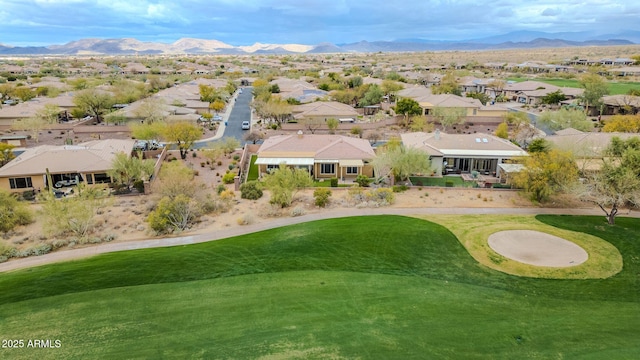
(437, 134)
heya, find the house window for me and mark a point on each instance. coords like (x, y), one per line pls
(271, 168)
(327, 168)
(101, 178)
(20, 183)
(89, 178)
(353, 170)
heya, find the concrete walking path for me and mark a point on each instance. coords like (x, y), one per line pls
(66, 255)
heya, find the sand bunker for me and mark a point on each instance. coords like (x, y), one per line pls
(537, 248)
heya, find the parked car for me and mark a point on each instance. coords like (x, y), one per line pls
(62, 193)
(246, 125)
(64, 183)
(217, 118)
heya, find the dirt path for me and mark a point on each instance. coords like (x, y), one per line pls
(73, 254)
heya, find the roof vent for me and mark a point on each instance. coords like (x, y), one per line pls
(299, 133)
(477, 140)
(484, 140)
(437, 134)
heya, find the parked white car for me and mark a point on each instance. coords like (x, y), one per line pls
(246, 125)
(64, 183)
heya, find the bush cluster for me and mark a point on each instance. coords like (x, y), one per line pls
(321, 196)
(251, 190)
(371, 198)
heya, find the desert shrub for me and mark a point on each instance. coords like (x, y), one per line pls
(356, 195)
(251, 190)
(13, 212)
(220, 189)
(363, 180)
(139, 185)
(173, 214)
(236, 157)
(8, 251)
(246, 219)
(297, 211)
(381, 196)
(334, 182)
(228, 178)
(231, 166)
(321, 196)
(400, 188)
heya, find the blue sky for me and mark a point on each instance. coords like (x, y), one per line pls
(244, 22)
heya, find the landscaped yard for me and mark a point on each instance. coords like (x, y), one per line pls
(361, 287)
(454, 180)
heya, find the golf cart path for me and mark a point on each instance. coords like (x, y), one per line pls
(66, 255)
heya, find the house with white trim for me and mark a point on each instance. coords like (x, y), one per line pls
(463, 153)
(324, 156)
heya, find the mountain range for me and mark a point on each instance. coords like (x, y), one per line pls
(514, 40)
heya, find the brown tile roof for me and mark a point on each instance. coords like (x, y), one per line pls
(468, 145)
(92, 156)
(325, 147)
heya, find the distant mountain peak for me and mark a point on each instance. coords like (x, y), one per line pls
(516, 39)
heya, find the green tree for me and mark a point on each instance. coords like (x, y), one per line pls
(355, 81)
(420, 123)
(391, 88)
(151, 110)
(332, 124)
(24, 93)
(502, 131)
(127, 169)
(13, 212)
(217, 105)
(553, 98)
(546, 173)
(449, 116)
(617, 184)
(407, 107)
(147, 131)
(94, 102)
(448, 85)
(401, 162)
(539, 145)
(623, 123)
(566, 118)
(373, 96)
(182, 133)
(595, 87)
(356, 130)
(284, 182)
(484, 98)
(6, 153)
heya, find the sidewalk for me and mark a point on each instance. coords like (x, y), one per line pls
(75, 254)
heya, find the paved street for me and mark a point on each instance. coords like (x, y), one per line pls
(240, 111)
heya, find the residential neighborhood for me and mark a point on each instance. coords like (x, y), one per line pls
(414, 172)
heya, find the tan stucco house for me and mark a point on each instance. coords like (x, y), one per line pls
(463, 153)
(88, 162)
(324, 156)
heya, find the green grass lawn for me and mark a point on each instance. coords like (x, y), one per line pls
(363, 287)
(615, 88)
(253, 169)
(456, 180)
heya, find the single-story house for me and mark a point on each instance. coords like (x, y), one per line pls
(323, 110)
(463, 153)
(88, 162)
(619, 104)
(324, 156)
